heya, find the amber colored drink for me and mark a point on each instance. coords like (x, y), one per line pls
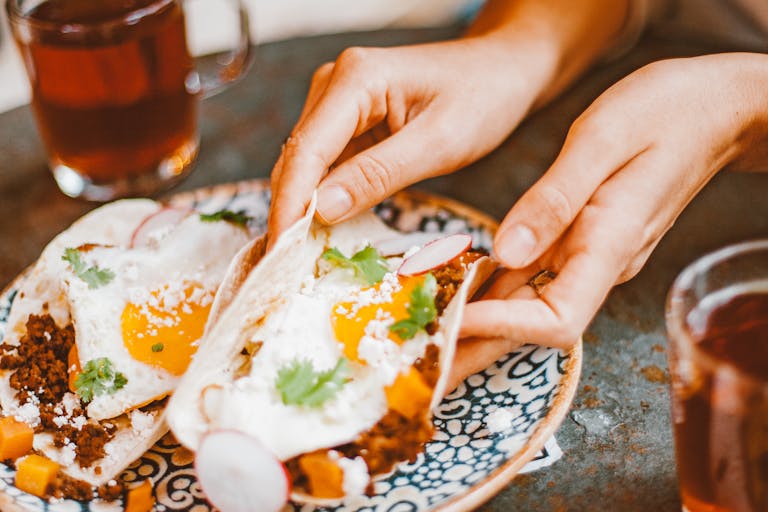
(720, 405)
(111, 93)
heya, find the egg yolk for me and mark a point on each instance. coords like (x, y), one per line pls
(350, 319)
(161, 332)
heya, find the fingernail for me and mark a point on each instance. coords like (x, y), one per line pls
(515, 246)
(333, 202)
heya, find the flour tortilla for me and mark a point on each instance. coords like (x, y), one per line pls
(41, 290)
(247, 298)
(111, 224)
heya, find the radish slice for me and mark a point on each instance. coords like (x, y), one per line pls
(237, 473)
(399, 245)
(435, 254)
(154, 226)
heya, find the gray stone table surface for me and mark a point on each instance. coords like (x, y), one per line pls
(617, 438)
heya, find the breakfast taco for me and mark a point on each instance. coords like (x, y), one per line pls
(99, 332)
(329, 353)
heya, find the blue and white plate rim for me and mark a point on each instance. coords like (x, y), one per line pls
(558, 408)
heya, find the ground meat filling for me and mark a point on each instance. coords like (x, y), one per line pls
(393, 439)
(68, 487)
(89, 441)
(396, 438)
(449, 278)
(40, 360)
(40, 375)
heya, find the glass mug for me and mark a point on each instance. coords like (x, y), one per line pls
(717, 322)
(115, 90)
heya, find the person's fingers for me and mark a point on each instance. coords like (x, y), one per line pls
(595, 148)
(619, 225)
(415, 152)
(363, 142)
(476, 354)
(511, 284)
(343, 110)
(555, 318)
(317, 87)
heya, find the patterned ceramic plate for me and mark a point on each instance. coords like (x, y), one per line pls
(472, 456)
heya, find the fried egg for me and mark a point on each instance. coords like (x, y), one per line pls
(148, 318)
(42, 289)
(331, 315)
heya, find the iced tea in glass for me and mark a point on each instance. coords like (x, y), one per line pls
(114, 92)
(717, 321)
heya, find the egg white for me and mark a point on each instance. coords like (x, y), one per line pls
(299, 328)
(42, 289)
(193, 252)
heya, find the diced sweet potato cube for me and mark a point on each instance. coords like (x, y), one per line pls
(140, 498)
(35, 473)
(409, 394)
(324, 475)
(15, 438)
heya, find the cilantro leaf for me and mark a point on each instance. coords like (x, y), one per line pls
(93, 276)
(158, 347)
(299, 383)
(421, 309)
(98, 378)
(367, 263)
(239, 218)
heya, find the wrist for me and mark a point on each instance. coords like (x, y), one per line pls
(749, 78)
(557, 40)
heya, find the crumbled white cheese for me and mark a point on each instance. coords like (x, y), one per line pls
(60, 421)
(70, 401)
(499, 420)
(79, 422)
(67, 454)
(381, 294)
(29, 414)
(140, 421)
(356, 476)
(380, 352)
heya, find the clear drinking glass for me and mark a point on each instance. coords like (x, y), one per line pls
(717, 323)
(115, 90)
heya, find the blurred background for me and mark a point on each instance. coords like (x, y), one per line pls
(742, 22)
(209, 25)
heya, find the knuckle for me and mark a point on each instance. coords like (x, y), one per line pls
(555, 204)
(297, 147)
(354, 57)
(322, 72)
(593, 127)
(375, 176)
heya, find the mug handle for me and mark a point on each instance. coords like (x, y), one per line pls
(230, 66)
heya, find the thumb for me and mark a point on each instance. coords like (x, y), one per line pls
(415, 152)
(551, 205)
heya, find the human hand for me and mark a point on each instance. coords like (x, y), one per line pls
(630, 164)
(386, 118)
(383, 118)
